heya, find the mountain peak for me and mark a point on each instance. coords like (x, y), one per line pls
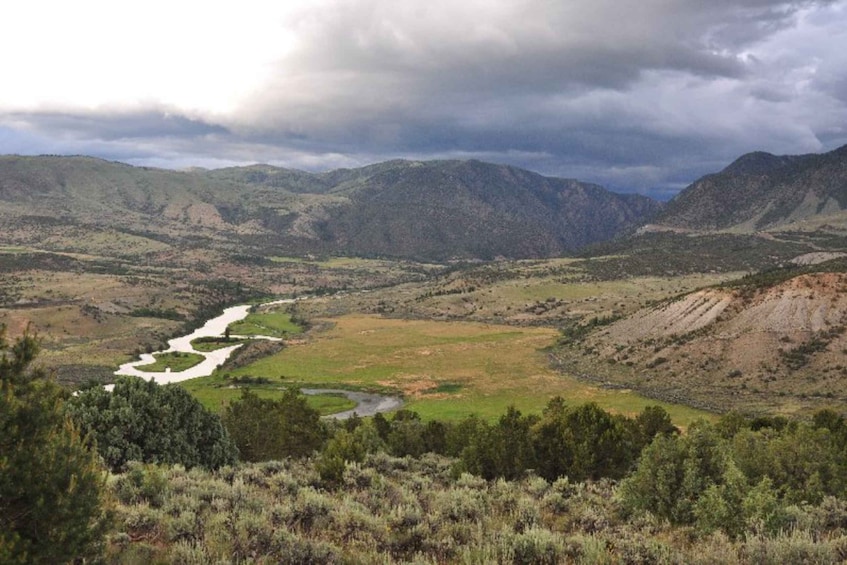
(760, 191)
(757, 163)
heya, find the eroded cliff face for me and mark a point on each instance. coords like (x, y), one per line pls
(727, 344)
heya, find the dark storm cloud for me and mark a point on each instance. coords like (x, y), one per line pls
(116, 124)
(593, 87)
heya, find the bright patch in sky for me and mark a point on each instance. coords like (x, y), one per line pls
(192, 56)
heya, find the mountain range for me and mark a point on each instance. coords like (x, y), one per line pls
(430, 210)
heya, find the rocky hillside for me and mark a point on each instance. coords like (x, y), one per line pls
(770, 341)
(762, 191)
(424, 210)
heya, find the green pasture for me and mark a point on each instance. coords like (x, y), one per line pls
(176, 361)
(445, 370)
(14, 249)
(355, 263)
(329, 403)
(282, 259)
(273, 324)
(338, 262)
(212, 344)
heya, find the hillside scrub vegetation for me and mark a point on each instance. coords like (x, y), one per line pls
(698, 497)
(573, 484)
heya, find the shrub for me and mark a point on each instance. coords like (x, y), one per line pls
(143, 421)
(141, 483)
(788, 548)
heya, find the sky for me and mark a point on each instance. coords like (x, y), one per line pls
(638, 96)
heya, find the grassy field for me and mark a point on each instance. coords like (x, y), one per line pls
(273, 324)
(445, 370)
(212, 344)
(13, 249)
(175, 361)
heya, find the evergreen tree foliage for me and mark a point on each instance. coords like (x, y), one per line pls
(266, 429)
(805, 463)
(406, 435)
(600, 444)
(143, 421)
(740, 476)
(503, 450)
(579, 442)
(51, 482)
(653, 421)
(674, 471)
(460, 435)
(435, 437)
(382, 425)
(553, 441)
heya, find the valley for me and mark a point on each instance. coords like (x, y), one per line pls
(423, 283)
(569, 375)
(669, 313)
(629, 321)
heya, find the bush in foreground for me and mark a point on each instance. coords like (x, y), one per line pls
(407, 510)
(142, 421)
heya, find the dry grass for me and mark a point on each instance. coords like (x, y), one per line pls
(83, 317)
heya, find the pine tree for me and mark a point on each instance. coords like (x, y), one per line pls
(266, 429)
(51, 483)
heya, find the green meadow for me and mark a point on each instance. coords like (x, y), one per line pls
(444, 370)
(213, 343)
(216, 395)
(275, 323)
(175, 361)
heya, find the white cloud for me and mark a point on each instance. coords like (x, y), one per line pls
(194, 56)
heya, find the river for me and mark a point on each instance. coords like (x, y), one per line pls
(367, 404)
